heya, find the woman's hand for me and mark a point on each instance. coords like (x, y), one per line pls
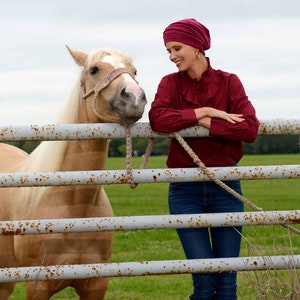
(204, 115)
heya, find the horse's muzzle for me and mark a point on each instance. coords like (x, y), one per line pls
(130, 106)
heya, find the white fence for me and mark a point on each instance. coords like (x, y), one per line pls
(142, 130)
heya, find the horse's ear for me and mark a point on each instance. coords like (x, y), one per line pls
(79, 57)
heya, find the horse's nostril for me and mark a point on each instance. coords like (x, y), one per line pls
(124, 93)
(143, 97)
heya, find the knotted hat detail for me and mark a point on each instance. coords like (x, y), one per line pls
(189, 32)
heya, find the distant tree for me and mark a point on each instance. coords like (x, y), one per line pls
(270, 144)
(114, 147)
(117, 147)
(139, 146)
(279, 144)
(161, 146)
(27, 146)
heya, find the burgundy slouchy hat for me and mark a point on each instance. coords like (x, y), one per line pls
(189, 32)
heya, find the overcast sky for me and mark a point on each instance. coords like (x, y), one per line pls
(259, 40)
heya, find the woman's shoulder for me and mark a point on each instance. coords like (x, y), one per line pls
(171, 79)
(222, 73)
(172, 76)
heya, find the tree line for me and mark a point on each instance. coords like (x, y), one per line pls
(279, 144)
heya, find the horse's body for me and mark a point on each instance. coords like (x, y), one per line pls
(120, 99)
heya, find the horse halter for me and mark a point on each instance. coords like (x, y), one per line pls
(100, 86)
(105, 82)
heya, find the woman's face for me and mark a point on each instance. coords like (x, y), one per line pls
(184, 56)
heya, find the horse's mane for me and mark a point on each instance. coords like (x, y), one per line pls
(48, 155)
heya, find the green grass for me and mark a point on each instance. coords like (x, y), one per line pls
(143, 245)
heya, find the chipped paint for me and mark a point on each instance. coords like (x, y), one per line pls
(138, 130)
(143, 130)
(48, 226)
(145, 268)
(147, 176)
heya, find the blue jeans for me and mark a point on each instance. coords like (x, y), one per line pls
(216, 242)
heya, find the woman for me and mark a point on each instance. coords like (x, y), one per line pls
(199, 95)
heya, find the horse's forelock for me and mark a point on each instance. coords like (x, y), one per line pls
(102, 54)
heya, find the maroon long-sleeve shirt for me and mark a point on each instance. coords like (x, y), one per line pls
(173, 110)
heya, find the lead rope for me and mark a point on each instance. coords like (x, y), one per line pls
(148, 150)
(207, 172)
(182, 142)
(99, 87)
(129, 174)
(127, 129)
(196, 160)
(130, 181)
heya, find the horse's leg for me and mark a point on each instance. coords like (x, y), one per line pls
(87, 289)
(44, 290)
(34, 291)
(6, 290)
(91, 289)
(7, 258)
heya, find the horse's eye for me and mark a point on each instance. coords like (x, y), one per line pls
(133, 71)
(94, 70)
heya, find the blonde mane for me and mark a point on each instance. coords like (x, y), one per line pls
(48, 155)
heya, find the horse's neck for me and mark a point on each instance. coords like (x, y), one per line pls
(85, 155)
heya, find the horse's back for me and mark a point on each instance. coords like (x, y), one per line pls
(10, 157)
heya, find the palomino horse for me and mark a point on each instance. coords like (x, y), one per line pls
(106, 92)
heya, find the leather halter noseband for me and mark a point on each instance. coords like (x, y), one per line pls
(105, 82)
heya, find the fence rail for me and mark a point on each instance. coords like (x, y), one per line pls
(115, 131)
(49, 226)
(147, 176)
(143, 130)
(146, 268)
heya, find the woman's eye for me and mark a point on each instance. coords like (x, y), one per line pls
(94, 70)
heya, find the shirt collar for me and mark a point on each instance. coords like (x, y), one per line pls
(205, 76)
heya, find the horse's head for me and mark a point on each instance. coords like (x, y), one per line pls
(108, 86)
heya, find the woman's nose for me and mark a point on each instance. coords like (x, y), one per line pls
(172, 56)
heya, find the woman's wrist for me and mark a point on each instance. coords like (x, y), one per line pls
(205, 122)
(201, 112)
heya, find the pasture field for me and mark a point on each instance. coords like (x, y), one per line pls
(148, 245)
